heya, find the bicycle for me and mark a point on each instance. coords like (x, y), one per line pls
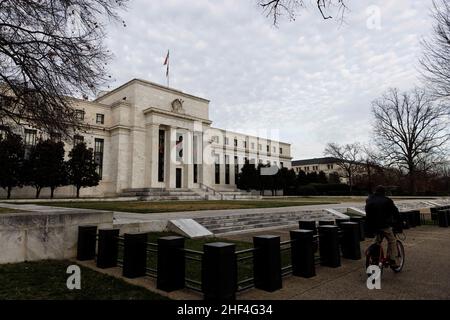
(375, 256)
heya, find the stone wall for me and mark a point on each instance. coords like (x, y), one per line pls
(38, 236)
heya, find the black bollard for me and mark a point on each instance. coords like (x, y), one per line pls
(448, 215)
(405, 220)
(360, 221)
(326, 223)
(434, 213)
(350, 240)
(308, 225)
(267, 263)
(302, 253)
(411, 219)
(219, 271)
(108, 247)
(417, 218)
(171, 263)
(134, 255)
(86, 242)
(329, 246)
(341, 220)
(442, 218)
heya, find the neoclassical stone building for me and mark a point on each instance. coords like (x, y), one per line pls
(150, 137)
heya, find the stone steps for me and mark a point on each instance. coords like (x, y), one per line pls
(153, 194)
(242, 222)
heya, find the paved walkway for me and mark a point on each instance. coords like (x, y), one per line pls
(425, 275)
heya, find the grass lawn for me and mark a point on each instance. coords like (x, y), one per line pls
(172, 206)
(46, 280)
(6, 210)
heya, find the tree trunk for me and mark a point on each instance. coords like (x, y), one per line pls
(78, 192)
(350, 183)
(38, 192)
(9, 192)
(52, 191)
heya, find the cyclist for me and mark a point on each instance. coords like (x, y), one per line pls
(381, 217)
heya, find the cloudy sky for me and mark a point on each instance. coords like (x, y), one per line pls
(307, 82)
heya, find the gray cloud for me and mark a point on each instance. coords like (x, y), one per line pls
(310, 80)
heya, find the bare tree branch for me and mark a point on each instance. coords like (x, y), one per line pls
(410, 130)
(435, 61)
(348, 158)
(277, 8)
(50, 50)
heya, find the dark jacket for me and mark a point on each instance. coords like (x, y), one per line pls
(381, 213)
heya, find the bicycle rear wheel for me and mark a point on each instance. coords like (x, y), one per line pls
(372, 256)
(400, 257)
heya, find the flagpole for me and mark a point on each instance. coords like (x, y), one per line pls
(167, 63)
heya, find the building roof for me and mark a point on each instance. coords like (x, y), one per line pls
(151, 84)
(303, 162)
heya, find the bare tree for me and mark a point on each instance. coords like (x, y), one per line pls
(278, 8)
(410, 130)
(435, 61)
(348, 158)
(51, 49)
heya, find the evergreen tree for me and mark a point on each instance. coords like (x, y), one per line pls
(46, 166)
(11, 161)
(82, 168)
(247, 177)
(322, 178)
(313, 177)
(302, 178)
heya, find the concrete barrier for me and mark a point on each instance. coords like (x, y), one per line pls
(37, 236)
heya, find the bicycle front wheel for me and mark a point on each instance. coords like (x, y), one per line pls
(400, 257)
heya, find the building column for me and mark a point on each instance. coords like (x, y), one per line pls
(152, 149)
(232, 173)
(189, 160)
(172, 158)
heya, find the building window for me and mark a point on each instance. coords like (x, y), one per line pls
(235, 142)
(195, 173)
(161, 153)
(227, 169)
(274, 149)
(195, 140)
(245, 144)
(236, 169)
(226, 141)
(253, 145)
(79, 114)
(259, 147)
(30, 137)
(281, 150)
(217, 169)
(98, 155)
(330, 166)
(268, 148)
(100, 118)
